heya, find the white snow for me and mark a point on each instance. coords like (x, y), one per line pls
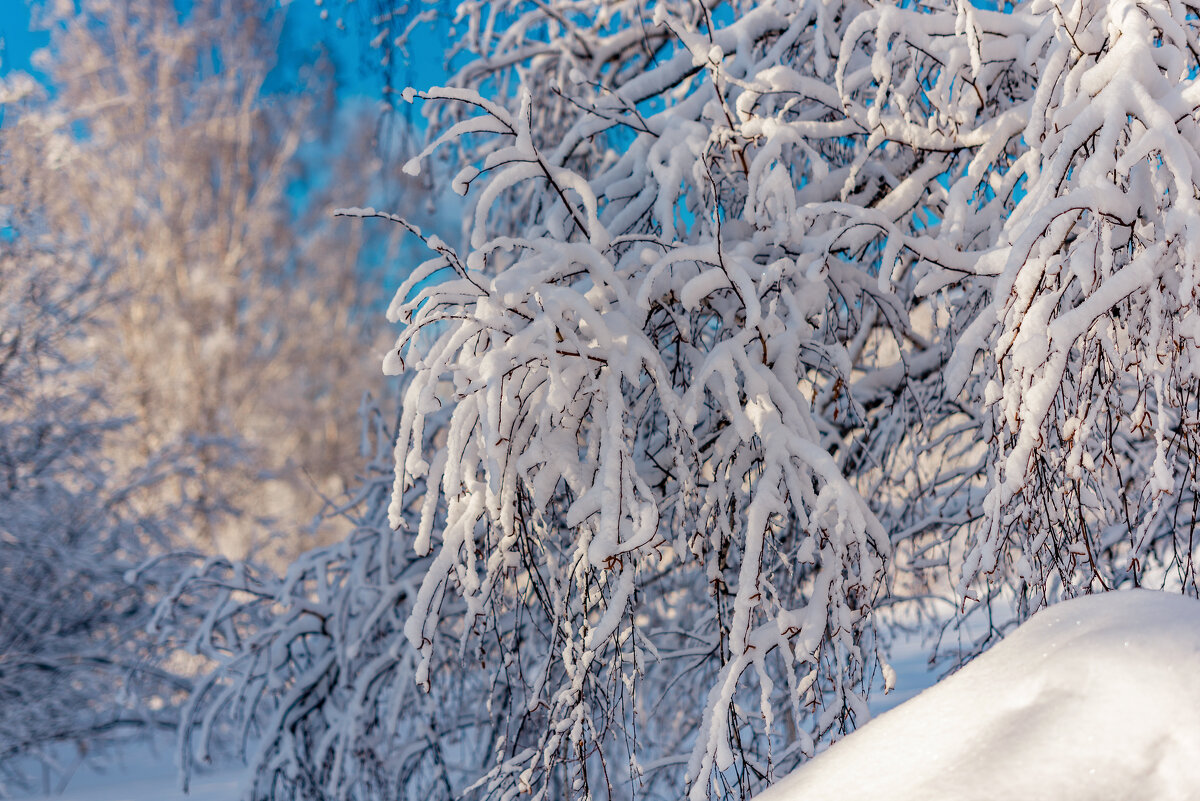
(1094, 699)
(143, 771)
(215, 787)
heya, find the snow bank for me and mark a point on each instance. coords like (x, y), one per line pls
(1094, 699)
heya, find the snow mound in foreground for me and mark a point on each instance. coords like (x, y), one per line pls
(1093, 699)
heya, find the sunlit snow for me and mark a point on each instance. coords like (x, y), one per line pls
(1094, 699)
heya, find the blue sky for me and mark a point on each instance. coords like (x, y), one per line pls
(305, 32)
(19, 42)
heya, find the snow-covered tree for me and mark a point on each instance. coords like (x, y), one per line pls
(1086, 358)
(768, 317)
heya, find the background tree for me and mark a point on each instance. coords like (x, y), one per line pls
(181, 344)
(76, 664)
(234, 316)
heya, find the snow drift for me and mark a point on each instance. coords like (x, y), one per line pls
(1095, 699)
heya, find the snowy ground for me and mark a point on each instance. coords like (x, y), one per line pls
(147, 773)
(139, 786)
(1096, 699)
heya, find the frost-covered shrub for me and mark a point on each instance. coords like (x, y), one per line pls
(314, 671)
(77, 668)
